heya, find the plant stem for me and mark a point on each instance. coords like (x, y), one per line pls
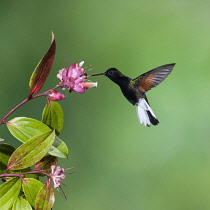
(30, 97)
(24, 173)
(11, 111)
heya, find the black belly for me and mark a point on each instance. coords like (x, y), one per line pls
(130, 95)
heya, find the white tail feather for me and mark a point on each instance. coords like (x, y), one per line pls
(142, 112)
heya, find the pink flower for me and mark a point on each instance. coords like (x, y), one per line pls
(74, 78)
(57, 175)
(56, 95)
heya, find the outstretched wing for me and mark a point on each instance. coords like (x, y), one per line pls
(153, 78)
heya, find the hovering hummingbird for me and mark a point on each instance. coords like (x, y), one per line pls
(134, 89)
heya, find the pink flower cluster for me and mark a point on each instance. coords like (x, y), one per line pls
(74, 78)
(56, 175)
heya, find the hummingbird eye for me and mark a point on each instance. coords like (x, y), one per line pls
(110, 72)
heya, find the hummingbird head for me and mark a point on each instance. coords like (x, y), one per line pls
(113, 74)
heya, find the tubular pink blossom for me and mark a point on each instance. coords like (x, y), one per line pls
(74, 78)
(89, 84)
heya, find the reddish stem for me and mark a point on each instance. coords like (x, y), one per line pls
(30, 97)
(11, 111)
(21, 174)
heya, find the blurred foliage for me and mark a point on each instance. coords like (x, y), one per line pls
(123, 165)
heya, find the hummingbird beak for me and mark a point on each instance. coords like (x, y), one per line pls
(97, 74)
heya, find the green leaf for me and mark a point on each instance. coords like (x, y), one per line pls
(59, 148)
(9, 191)
(24, 128)
(45, 198)
(21, 204)
(30, 188)
(45, 163)
(31, 152)
(43, 68)
(53, 116)
(3, 168)
(6, 151)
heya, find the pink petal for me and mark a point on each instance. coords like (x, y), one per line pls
(60, 74)
(62, 176)
(79, 88)
(80, 79)
(52, 168)
(64, 75)
(57, 182)
(77, 72)
(70, 69)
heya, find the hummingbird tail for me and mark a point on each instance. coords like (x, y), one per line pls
(145, 114)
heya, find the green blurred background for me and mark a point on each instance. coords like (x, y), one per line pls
(123, 165)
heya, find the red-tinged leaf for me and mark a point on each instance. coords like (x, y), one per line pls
(53, 116)
(31, 152)
(24, 128)
(45, 163)
(43, 68)
(31, 187)
(21, 204)
(45, 198)
(9, 192)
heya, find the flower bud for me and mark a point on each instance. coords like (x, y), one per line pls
(56, 95)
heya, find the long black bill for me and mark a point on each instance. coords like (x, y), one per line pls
(97, 74)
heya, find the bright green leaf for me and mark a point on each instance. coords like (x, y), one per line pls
(9, 191)
(24, 128)
(59, 148)
(21, 204)
(30, 188)
(45, 197)
(43, 68)
(45, 163)
(31, 152)
(53, 116)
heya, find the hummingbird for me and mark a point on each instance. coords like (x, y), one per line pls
(135, 90)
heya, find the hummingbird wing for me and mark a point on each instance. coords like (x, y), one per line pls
(153, 78)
